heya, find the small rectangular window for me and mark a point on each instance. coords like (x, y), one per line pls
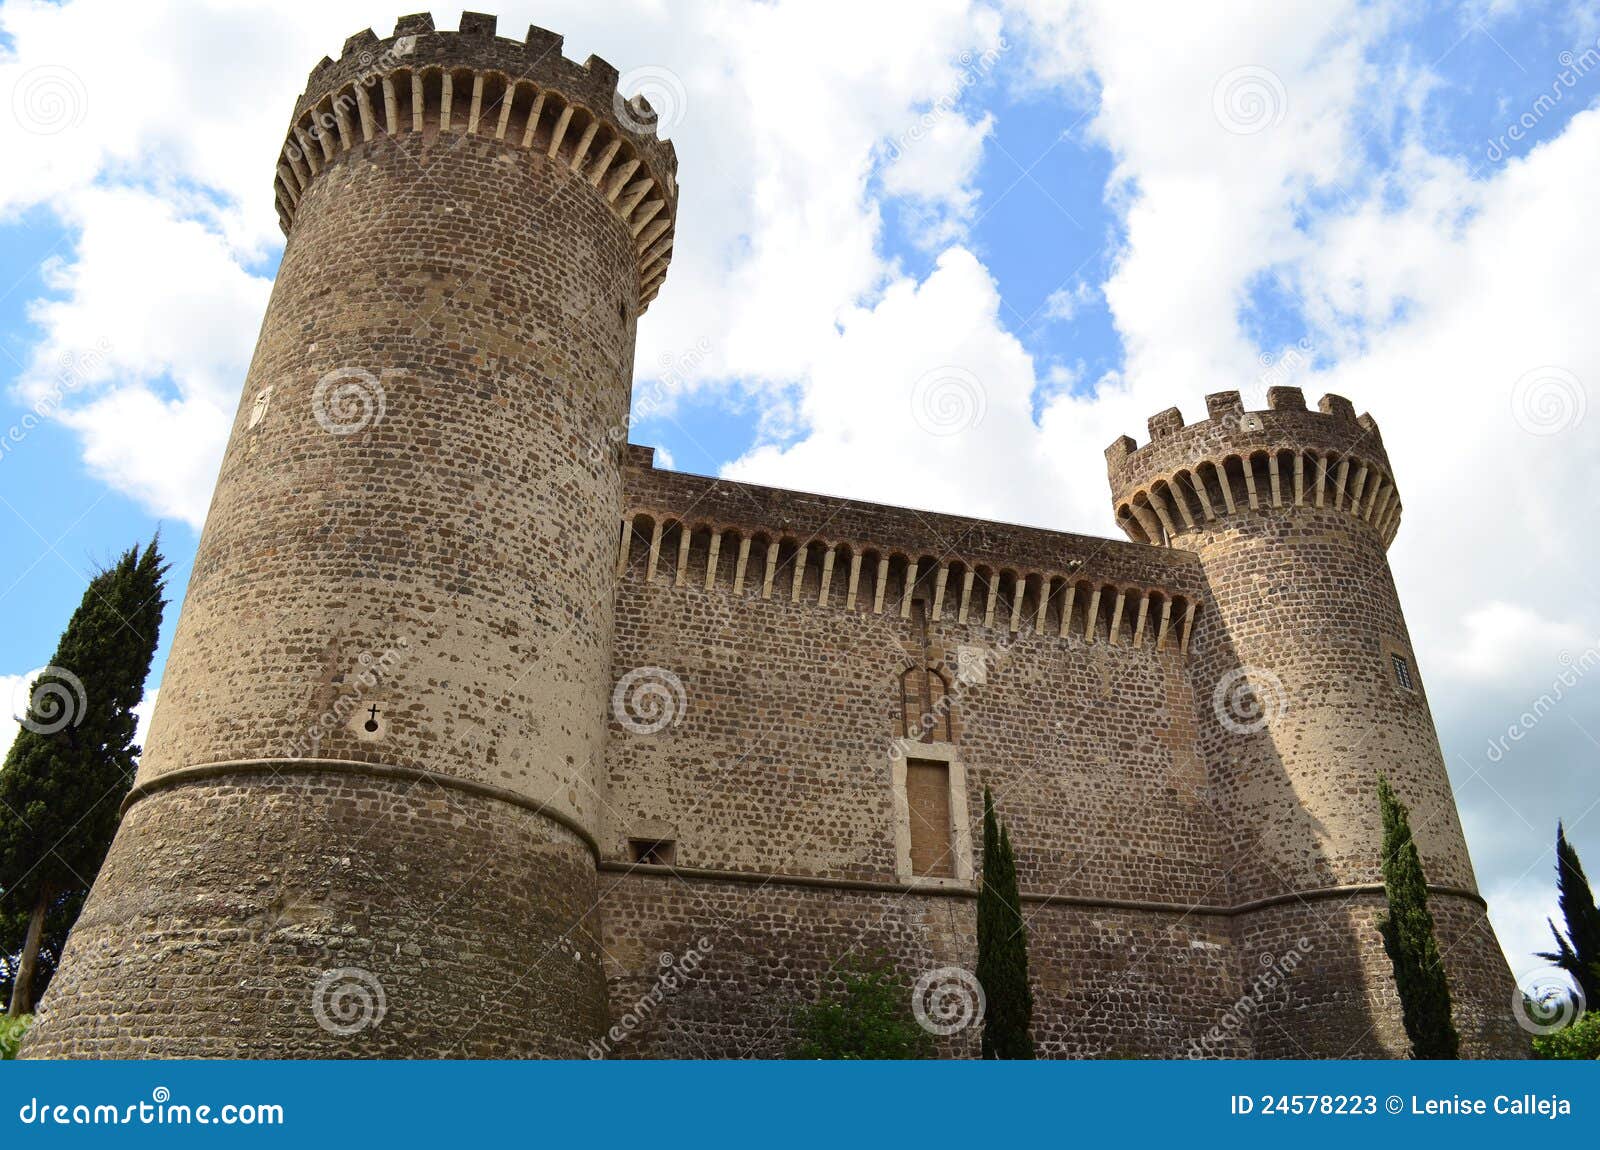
(1402, 672)
(653, 852)
(928, 800)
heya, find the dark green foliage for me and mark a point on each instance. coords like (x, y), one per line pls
(871, 1018)
(72, 764)
(1408, 937)
(11, 1032)
(58, 920)
(1580, 1040)
(1578, 951)
(1002, 946)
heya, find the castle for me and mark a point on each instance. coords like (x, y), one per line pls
(483, 737)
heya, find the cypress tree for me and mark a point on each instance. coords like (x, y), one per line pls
(73, 760)
(1002, 946)
(1408, 937)
(1578, 951)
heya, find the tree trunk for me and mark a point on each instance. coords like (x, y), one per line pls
(22, 987)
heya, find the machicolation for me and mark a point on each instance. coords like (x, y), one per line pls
(475, 706)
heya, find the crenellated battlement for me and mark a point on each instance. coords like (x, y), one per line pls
(1237, 461)
(471, 82)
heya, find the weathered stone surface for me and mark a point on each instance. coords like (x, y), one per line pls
(455, 656)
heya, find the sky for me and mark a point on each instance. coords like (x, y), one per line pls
(1058, 217)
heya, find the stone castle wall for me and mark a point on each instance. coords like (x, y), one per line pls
(412, 538)
(533, 749)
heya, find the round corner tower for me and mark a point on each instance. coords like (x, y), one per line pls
(364, 823)
(1308, 689)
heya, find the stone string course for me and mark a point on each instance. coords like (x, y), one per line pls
(453, 657)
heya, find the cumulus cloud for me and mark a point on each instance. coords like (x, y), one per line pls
(167, 196)
(1455, 304)
(14, 701)
(1449, 302)
(920, 400)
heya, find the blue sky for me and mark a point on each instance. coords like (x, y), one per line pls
(1057, 198)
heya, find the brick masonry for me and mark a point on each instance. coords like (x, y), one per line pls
(453, 654)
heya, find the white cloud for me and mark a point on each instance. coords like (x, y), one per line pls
(169, 190)
(934, 168)
(1502, 637)
(161, 312)
(1521, 912)
(14, 701)
(920, 400)
(1428, 290)
(1063, 303)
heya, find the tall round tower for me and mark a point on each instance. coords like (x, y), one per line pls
(364, 823)
(1308, 688)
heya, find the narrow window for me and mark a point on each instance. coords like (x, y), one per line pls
(928, 799)
(1402, 672)
(653, 852)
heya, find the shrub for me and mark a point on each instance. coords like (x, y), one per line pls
(11, 1032)
(1580, 1040)
(871, 1018)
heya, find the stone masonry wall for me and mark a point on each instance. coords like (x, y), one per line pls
(776, 761)
(406, 565)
